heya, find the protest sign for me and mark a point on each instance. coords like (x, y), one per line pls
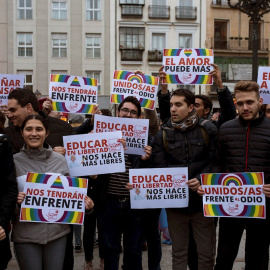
(73, 94)
(143, 87)
(264, 83)
(94, 153)
(8, 82)
(233, 195)
(135, 131)
(53, 198)
(159, 188)
(187, 66)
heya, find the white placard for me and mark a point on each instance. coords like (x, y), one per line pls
(159, 188)
(135, 131)
(94, 153)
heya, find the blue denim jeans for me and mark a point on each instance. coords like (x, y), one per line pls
(117, 219)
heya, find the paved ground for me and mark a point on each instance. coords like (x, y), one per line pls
(166, 262)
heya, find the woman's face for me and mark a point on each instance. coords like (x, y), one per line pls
(34, 134)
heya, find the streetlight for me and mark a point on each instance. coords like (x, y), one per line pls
(255, 9)
(38, 94)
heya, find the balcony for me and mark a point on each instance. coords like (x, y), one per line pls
(131, 11)
(222, 3)
(131, 55)
(238, 44)
(155, 56)
(159, 12)
(185, 13)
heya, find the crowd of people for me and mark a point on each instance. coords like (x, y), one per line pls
(187, 137)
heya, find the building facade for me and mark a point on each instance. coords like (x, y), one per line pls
(229, 33)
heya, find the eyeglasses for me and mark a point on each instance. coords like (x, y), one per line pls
(126, 111)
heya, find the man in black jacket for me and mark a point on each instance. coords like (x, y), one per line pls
(185, 140)
(245, 147)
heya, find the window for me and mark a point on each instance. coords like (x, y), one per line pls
(25, 44)
(131, 38)
(93, 10)
(94, 75)
(220, 38)
(185, 41)
(158, 42)
(159, 2)
(59, 45)
(93, 47)
(59, 10)
(28, 78)
(24, 9)
(185, 3)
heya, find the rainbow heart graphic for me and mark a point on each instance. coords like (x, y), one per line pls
(187, 52)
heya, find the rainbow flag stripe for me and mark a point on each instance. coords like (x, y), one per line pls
(252, 211)
(89, 81)
(147, 103)
(75, 82)
(204, 52)
(30, 214)
(38, 178)
(72, 217)
(187, 52)
(61, 107)
(117, 98)
(171, 52)
(77, 182)
(199, 79)
(129, 76)
(87, 108)
(238, 179)
(57, 183)
(59, 78)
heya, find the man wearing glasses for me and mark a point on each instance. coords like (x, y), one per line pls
(117, 217)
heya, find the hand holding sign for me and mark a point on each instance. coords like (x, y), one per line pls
(148, 152)
(193, 184)
(216, 76)
(21, 197)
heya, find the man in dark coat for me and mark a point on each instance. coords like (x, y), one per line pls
(186, 140)
(245, 147)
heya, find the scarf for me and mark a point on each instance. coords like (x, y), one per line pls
(188, 123)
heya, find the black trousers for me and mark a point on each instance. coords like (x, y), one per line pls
(257, 243)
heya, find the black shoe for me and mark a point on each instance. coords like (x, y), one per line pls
(78, 249)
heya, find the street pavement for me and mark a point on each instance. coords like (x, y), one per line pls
(166, 262)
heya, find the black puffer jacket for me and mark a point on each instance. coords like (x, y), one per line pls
(187, 149)
(57, 129)
(245, 146)
(8, 195)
